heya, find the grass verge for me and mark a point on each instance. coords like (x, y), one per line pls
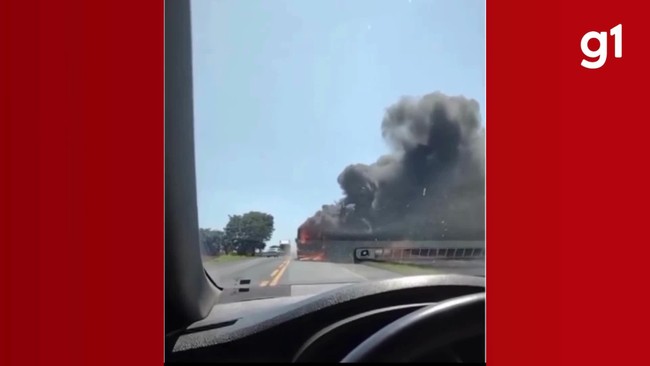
(404, 268)
(224, 258)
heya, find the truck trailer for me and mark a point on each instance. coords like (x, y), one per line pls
(341, 248)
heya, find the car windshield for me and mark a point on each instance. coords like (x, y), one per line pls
(339, 141)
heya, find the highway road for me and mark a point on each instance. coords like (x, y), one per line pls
(271, 272)
(297, 277)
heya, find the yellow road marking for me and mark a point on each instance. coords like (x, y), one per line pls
(275, 272)
(264, 283)
(277, 277)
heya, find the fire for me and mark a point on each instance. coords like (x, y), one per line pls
(314, 257)
(303, 235)
(307, 232)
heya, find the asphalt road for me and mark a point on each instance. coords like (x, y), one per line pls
(286, 271)
(302, 277)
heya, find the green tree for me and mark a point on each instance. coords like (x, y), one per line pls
(248, 232)
(211, 241)
(233, 233)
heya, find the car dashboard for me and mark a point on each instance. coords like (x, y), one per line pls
(320, 328)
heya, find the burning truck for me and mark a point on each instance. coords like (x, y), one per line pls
(426, 196)
(345, 248)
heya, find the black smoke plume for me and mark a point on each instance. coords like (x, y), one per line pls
(431, 187)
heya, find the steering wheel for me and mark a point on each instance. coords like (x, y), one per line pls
(432, 330)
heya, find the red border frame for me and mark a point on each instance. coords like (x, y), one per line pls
(81, 187)
(81, 184)
(566, 186)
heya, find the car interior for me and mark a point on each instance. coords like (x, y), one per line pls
(431, 318)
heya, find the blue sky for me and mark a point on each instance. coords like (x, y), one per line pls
(288, 93)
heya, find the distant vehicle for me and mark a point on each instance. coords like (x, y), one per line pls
(273, 251)
(285, 247)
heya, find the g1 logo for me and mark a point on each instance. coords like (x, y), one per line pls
(600, 55)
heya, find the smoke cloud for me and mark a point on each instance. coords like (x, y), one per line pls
(431, 185)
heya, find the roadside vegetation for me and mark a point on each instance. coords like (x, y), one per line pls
(405, 269)
(242, 236)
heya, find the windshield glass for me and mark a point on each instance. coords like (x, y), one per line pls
(339, 141)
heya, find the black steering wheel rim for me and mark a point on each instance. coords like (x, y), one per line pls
(409, 338)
